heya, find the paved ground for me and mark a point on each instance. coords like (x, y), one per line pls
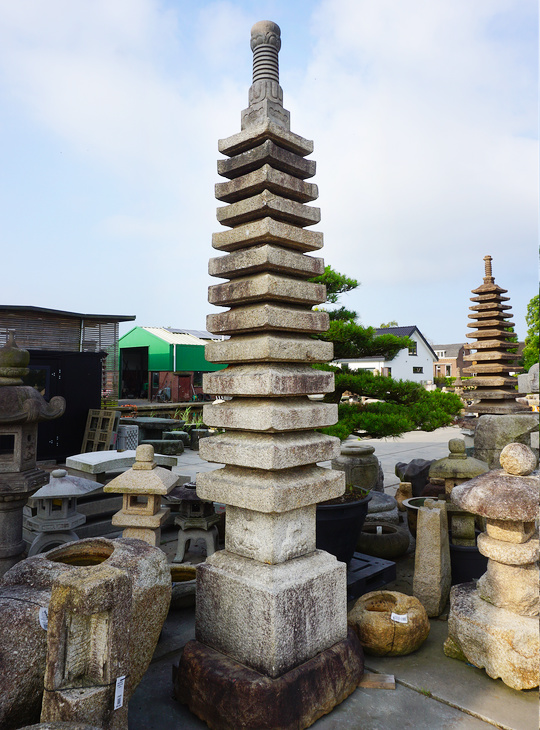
(433, 692)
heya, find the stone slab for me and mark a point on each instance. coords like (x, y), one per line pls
(501, 642)
(270, 415)
(266, 287)
(268, 230)
(270, 537)
(268, 204)
(269, 451)
(271, 617)
(227, 695)
(97, 462)
(258, 133)
(274, 347)
(266, 153)
(265, 318)
(266, 178)
(250, 261)
(275, 491)
(272, 379)
(432, 575)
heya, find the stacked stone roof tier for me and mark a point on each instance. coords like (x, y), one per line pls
(491, 360)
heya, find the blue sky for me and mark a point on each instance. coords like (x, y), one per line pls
(423, 114)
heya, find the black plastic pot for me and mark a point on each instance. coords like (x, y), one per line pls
(339, 526)
(467, 562)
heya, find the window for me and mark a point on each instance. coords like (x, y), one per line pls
(412, 349)
(448, 370)
(418, 370)
(440, 353)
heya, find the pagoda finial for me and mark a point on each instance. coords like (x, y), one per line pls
(488, 276)
(265, 93)
(265, 44)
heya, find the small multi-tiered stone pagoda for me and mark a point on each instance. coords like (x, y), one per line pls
(271, 620)
(495, 390)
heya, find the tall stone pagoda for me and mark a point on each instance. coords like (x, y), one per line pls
(271, 619)
(495, 390)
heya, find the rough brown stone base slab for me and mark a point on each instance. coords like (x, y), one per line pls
(229, 696)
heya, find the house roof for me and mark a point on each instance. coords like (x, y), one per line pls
(398, 332)
(174, 337)
(451, 350)
(201, 334)
(405, 332)
(21, 309)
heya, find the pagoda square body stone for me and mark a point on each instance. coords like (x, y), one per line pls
(270, 604)
(495, 623)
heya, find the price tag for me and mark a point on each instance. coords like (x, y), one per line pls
(400, 618)
(44, 618)
(119, 692)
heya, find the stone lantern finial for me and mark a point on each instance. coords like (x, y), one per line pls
(13, 362)
(265, 93)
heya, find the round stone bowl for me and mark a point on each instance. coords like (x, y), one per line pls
(412, 505)
(383, 540)
(389, 623)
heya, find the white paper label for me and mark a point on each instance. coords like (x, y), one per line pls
(44, 617)
(399, 618)
(119, 693)
(379, 529)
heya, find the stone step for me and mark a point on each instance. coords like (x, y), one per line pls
(267, 287)
(258, 133)
(269, 451)
(267, 230)
(268, 348)
(265, 258)
(270, 415)
(270, 491)
(266, 153)
(268, 379)
(265, 317)
(268, 204)
(266, 178)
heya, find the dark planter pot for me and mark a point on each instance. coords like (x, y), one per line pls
(339, 525)
(467, 562)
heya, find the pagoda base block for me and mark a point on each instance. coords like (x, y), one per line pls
(227, 695)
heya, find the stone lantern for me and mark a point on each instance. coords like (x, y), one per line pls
(143, 486)
(196, 519)
(56, 510)
(494, 623)
(454, 469)
(21, 408)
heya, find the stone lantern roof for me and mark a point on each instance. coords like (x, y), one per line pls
(457, 465)
(62, 485)
(145, 477)
(500, 494)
